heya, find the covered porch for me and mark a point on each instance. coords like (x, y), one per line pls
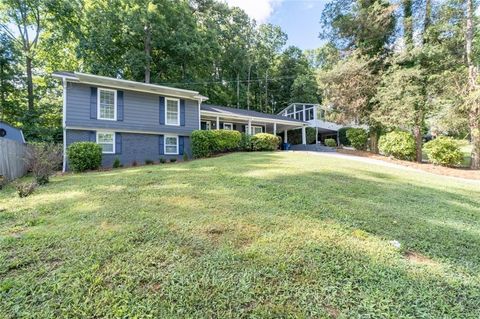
(250, 122)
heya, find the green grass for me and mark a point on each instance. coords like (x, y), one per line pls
(244, 235)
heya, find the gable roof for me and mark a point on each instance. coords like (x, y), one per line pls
(86, 78)
(230, 111)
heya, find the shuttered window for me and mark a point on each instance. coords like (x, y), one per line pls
(107, 104)
(172, 111)
(107, 141)
(171, 144)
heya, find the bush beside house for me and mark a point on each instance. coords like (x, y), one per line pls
(330, 142)
(358, 138)
(84, 156)
(342, 136)
(265, 142)
(43, 159)
(444, 151)
(398, 144)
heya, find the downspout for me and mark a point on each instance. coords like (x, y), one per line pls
(64, 112)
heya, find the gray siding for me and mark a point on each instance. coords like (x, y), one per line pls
(135, 147)
(141, 112)
(12, 132)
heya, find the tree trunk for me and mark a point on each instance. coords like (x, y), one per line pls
(374, 141)
(2, 92)
(474, 109)
(148, 49)
(417, 132)
(29, 84)
(408, 24)
(238, 90)
(248, 86)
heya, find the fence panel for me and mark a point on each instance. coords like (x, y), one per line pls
(12, 163)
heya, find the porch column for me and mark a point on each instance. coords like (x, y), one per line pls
(285, 139)
(275, 128)
(338, 139)
(249, 127)
(218, 123)
(304, 136)
(316, 135)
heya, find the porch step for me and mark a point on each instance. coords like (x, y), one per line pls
(312, 148)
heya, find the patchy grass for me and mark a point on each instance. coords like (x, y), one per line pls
(243, 235)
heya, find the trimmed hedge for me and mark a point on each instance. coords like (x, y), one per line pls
(444, 151)
(210, 142)
(358, 138)
(330, 142)
(245, 143)
(398, 144)
(83, 156)
(265, 142)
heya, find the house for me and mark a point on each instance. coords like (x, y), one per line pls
(7, 131)
(314, 115)
(137, 121)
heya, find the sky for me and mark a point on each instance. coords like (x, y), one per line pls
(299, 19)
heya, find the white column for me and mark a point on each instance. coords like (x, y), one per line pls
(249, 127)
(304, 136)
(285, 139)
(218, 123)
(316, 135)
(274, 128)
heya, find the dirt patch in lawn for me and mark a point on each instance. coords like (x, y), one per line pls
(435, 169)
(418, 258)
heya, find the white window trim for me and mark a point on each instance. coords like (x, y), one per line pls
(165, 145)
(114, 104)
(252, 130)
(178, 111)
(114, 141)
(231, 126)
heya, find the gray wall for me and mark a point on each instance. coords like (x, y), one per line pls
(141, 112)
(12, 159)
(135, 147)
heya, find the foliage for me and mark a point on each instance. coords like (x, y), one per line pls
(185, 157)
(265, 142)
(149, 162)
(162, 160)
(358, 137)
(173, 160)
(116, 162)
(342, 136)
(25, 189)
(84, 156)
(398, 144)
(43, 159)
(444, 151)
(245, 144)
(330, 142)
(207, 143)
(222, 227)
(134, 163)
(3, 181)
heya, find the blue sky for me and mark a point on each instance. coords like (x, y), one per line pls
(300, 19)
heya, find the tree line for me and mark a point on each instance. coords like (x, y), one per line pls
(202, 45)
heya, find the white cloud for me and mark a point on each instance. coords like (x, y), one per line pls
(260, 10)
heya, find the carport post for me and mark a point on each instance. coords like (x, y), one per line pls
(304, 135)
(249, 127)
(274, 128)
(338, 139)
(285, 139)
(316, 135)
(218, 123)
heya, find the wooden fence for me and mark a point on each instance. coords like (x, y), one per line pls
(12, 159)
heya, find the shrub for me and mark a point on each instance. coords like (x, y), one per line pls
(173, 160)
(134, 163)
(185, 157)
(162, 160)
(358, 138)
(330, 142)
(444, 151)
(43, 159)
(265, 142)
(116, 162)
(398, 144)
(25, 189)
(245, 143)
(342, 136)
(207, 143)
(3, 181)
(149, 162)
(83, 156)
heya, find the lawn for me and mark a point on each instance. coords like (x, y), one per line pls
(243, 235)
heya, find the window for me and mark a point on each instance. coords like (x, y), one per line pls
(309, 114)
(171, 145)
(228, 126)
(107, 141)
(257, 129)
(172, 111)
(107, 104)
